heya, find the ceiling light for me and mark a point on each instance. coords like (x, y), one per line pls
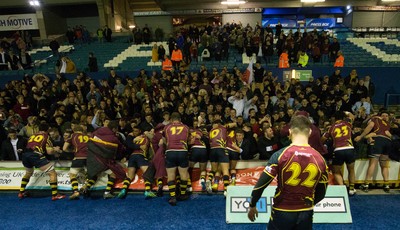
(34, 3)
(312, 1)
(232, 2)
(389, 0)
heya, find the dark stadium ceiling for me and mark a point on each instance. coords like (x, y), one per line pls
(155, 5)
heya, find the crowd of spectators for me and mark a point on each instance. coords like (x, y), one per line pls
(148, 99)
(214, 41)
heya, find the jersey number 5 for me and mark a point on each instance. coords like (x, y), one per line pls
(296, 170)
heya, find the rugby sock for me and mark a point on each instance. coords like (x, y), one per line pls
(233, 176)
(189, 181)
(90, 182)
(126, 183)
(184, 185)
(178, 179)
(226, 181)
(216, 180)
(171, 188)
(53, 186)
(211, 176)
(74, 183)
(159, 181)
(147, 185)
(24, 182)
(110, 184)
(351, 186)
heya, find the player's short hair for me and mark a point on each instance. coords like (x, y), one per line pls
(77, 128)
(339, 115)
(44, 127)
(300, 124)
(113, 125)
(175, 116)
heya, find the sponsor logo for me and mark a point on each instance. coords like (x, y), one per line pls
(242, 204)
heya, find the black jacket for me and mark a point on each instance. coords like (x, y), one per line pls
(7, 150)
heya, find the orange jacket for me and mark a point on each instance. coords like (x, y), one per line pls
(176, 55)
(339, 61)
(284, 61)
(167, 65)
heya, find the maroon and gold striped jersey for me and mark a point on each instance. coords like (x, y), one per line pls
(197, 143)
(340, 133)
(299, 169)
(380, 127)
(79, 141)
(176, 135)
(39, 142)
(218, 137)
(230, 139)
(144, 143)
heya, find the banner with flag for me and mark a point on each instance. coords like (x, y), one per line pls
(248, 74)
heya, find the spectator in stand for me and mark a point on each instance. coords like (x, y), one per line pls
(54, 46)
(339, 60)
(284, 59)
(166, 64)
(325, 51)
(67, 65)
(154, 53)
(334, 49)
(370, 86)
(176, 57)
(146, 34)
(161, 52)
(93, 67)
(5, 60)
(107, 33)
(25, 60)
(267, 143)
(13, 147)
(100, 35)
(70, 35)
(303, 59)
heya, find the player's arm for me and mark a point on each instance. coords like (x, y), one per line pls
(66, 147)
(265, 179)
(367, 129)
(320, 189)
(130, 143)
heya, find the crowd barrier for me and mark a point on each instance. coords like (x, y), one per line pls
(248, 172)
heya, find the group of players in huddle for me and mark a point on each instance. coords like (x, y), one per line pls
(171, 150)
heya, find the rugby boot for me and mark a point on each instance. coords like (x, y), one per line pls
(386, 189)
(57, 197)
(183, 197)
(208, 187)
(74, 196)
(23, 195)
(364, 187)
(160, 191)
(352, 192)
(122, 194)
(149, 195)
(203, 185)
(107, 196)
(172, 201)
